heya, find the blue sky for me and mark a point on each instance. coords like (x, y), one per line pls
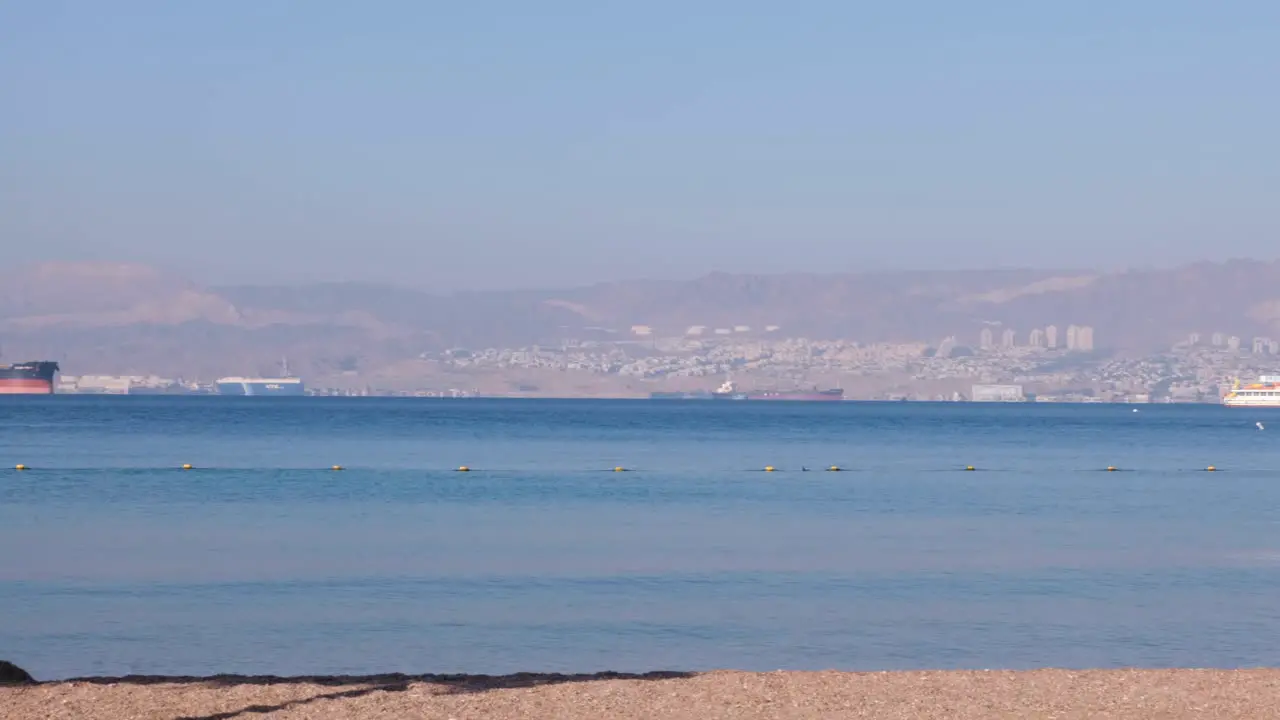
(505, 144)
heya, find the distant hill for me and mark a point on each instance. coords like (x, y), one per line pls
(116, 318)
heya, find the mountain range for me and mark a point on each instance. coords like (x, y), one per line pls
(130, 319)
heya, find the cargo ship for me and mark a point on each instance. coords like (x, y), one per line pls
(286, 384)
(808, 395)
(28, 378)
(728, 391)
(677, 395)
(260, 386)
(1264, 393)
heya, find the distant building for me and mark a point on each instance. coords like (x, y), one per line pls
(1275, 347)
(1036, 338)
(985, 339)
(946, 347)
(997, 393)
(1233, 343)
(1007, 337)
(741, 328)
(1217, 339)
(1051, 337)
(1073, 337)
(771, 328)
(1193, 339)
(723, 331)
(1084, 338)
(641, 330)
(1261, 345)
(97, 384)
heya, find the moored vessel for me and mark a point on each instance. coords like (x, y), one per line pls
(729, 391)
(260, 386)
(286, 384)
(1264, 393)
(28, 378)
(810, 395)
(679, 395)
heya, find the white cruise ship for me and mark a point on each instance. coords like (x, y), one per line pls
(1264, 393)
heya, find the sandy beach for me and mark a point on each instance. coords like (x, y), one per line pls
(956, 695)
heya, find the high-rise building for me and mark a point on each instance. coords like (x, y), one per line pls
(1073, 339)
(1084, 338)
(1217, 340)
(1193, 339)
(946, 346)
(985, 340)
(1274, 347)
(1233, 343)
(1007, 337)
(1036, 338)
(1261, 345)
(1051, 336)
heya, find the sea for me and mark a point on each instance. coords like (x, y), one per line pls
(263, 559)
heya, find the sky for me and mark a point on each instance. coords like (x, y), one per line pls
(519, 144)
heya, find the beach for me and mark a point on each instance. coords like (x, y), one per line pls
(956, 695)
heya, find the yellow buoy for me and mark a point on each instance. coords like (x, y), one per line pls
(19, 467)
(186, 466)
(834, 468)
(1210, 468)
(1111, 468)
(768, 468)
(969, 468)
(337, 467)
(464, 468)
(619, 469)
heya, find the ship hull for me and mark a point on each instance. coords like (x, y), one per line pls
(256, 387)
(25, 387)
(29, 378)
(819, 396)
(822, 396)
(797, 395)
(1239, 403)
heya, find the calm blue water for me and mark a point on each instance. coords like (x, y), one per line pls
(261, 560)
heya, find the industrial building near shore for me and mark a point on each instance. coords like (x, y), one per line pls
(997, 393)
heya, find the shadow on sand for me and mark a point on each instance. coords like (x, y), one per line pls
(352, 686)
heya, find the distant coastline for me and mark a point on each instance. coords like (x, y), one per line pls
(1027, 400)
(135, 329)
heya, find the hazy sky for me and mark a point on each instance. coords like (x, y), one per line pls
(493, 144)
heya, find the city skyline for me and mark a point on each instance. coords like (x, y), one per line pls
(872, 333)
(1078, 338)
(1184, 373)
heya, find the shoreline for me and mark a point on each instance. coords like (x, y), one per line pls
(956, 694)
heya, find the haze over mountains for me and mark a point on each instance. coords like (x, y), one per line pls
(129, 319)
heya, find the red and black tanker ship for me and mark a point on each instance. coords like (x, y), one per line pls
(28, 378)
